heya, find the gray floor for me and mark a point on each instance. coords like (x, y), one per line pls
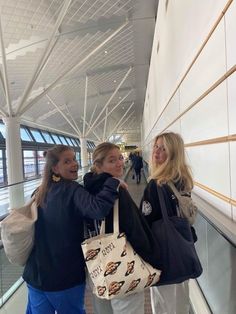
(136, 190)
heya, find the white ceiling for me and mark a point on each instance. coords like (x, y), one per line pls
(50, 49)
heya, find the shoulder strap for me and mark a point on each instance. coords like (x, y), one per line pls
(173, 188)
(162, 204)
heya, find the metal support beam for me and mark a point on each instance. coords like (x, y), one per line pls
(85, 103)
(105, 125)
(5, 75)
(64, 116)
(45, 55)
(72, 119)
(119, 122)
(91, 118)
(95, 134)
(71, 69)
(117, 105)
(127, 119)
(109, 100)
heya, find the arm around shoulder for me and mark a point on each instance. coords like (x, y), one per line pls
(96, 206)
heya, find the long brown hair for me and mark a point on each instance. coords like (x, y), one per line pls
(52, 158)
(100, 153)
(175, 167)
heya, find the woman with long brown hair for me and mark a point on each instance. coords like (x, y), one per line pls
(55, 270)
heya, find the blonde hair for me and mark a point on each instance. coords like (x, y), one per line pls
(100, 153)
(52, 157)
(175, 167)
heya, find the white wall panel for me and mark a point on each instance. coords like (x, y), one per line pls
(208, 119)
(210, 165)
(230, 24)
(233, 174)
(209, 67)
(232, 103)
(170, 114)
(215, 201)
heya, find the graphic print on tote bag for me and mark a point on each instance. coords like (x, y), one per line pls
(111, 268)
(124, 252)
(133, 285)
(101, 290)
(130, 268)
(91, 254)
(114, 287)
(150, 280)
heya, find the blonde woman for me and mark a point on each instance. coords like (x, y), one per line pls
(168, 165)
(108, 162)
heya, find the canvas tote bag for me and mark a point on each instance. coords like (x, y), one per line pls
(17, 232)
(178, 254)
(115, 269)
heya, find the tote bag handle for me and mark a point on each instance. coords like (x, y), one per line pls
(115, 219)
(163, 204)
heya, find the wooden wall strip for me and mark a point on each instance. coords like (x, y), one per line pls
(217, 140)
(215, 193)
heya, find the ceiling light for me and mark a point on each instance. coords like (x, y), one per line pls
(105, 51)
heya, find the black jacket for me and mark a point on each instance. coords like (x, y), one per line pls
(56, 261)
(137, 162)
(150, 205)
(130, 220)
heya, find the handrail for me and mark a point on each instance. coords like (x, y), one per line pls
(33, 179)
(220, 222)
(20, 182)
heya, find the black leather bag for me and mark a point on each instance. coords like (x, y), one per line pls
(179, 258)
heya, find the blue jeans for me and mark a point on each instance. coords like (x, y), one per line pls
(69, 301)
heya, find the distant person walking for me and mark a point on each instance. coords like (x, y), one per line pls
(137, 165)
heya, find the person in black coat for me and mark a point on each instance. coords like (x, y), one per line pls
(137, 165)
(55, 269)
(107, 162)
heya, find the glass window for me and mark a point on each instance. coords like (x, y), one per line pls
(63, 140)
(56, 139)
(77, 141)
(69, 141)
(38, 137)
(25, 136)
(47, 137)
(78, 158)
(3, 129)
(74, 142)
(41, 161)
(1, 168)
(29, 163)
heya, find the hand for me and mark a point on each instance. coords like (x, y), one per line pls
(123, 184)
